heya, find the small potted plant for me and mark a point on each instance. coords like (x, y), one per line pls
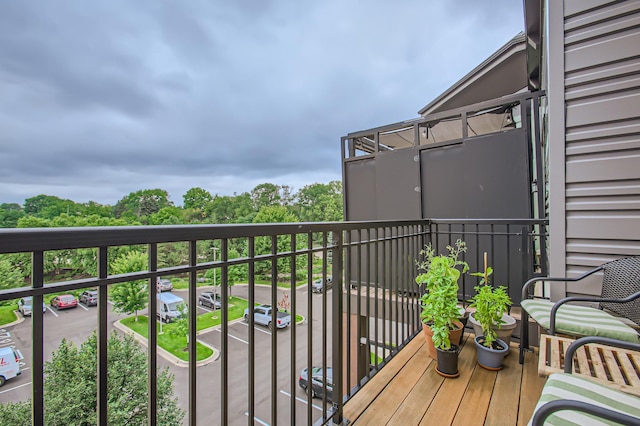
(490, 305)
(440, 313)
(505, 326)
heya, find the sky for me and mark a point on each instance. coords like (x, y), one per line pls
(102, 98)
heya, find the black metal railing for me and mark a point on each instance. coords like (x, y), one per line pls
(370, 313)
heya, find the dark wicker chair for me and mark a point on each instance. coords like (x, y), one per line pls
(620, 296)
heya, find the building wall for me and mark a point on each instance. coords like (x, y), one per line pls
(594, 134)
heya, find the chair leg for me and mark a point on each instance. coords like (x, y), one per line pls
(524, 334)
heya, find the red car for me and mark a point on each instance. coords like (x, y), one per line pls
(64, 301)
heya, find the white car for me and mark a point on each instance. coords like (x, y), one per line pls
(25, 306)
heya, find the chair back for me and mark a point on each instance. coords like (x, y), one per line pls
(622, 279)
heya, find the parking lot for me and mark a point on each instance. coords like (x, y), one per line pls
(76, 325)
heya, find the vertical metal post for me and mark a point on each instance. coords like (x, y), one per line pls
(309, 334)
(192, 310)
(224, 341)
(152, 400)
(337, 326)
(274, 330)
(293, 309)
(102, 336)
(252, 344)
(37, 339)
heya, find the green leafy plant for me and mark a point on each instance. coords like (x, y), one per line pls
(490, 305)
(440, 302)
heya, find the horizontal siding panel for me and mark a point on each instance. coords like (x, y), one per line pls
(611, 107)
(619, 203)
(586, 189)
(601, 250)
(603, 130)
(621, 143)
(604, 227)
(611, 48)
(629, 67)
(600, 87)
(597, 23)
(573, 7)
(612, 166)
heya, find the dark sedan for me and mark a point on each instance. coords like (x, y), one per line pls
(210, 299)
(317, 388)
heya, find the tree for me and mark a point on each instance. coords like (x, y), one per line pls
(276, 214)
(129, 297)
(11, 276)
(141, 204)
(197, 198)
(10, 214)
(265, 195)
(180, 326)
(320, 202)
(70, 387)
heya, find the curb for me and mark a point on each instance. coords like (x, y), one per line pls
(19, 319)
(165, 354)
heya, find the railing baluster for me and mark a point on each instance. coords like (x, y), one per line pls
(251, 249)
(152, 400)
(338, 354)
(193, 400)
(37, 336)
(224, 322)
(102, 336)
(274, 330)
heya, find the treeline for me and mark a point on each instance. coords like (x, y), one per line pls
(266, 203)
(317, 202)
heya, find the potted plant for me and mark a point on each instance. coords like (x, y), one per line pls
(505, 326)
(490, 305)
(440, 313)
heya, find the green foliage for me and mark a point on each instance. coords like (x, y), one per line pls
(490, 305)
(180, 326)
(129, 297)
(277, 214)
(197, 199)
(70, 387)
(320, 202)
(440, 302)
(10, 277)
(266, 195)
(142, 204)
(10, 214)
(167, 216)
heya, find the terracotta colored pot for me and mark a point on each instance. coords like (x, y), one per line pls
(454, 337)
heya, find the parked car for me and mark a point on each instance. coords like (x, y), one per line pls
(64, 301)
(318, 285)
(164, 284)
(317, 387)
(89, 297)
(262, 316)
(9, 364)
(210, 299)
(25, 306)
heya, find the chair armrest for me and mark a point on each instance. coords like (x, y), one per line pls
(525, 287)
(554, 309)
(566, 404)
(573, 347)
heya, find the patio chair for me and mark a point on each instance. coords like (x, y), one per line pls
(620, 296)
(570, 399)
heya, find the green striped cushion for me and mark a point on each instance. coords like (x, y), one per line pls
(567, 386)
(580, 320)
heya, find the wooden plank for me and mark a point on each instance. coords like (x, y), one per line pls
(418, 401)
(503, 408)
(542, 359)
(363, 398)
(630, 370)
(596, 362)
(475, 403)
(531, 389)
(611, 365)
(444, 406)
(395, 393)
(583, 362)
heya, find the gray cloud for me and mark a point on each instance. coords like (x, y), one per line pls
(98, 99)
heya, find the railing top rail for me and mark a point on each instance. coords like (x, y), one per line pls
(489, 221)
(19, 240)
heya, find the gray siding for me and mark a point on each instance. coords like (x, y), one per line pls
(602, 134)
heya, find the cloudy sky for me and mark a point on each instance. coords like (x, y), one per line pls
(102, 98)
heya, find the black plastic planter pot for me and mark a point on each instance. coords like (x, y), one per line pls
(491, 358)
(448, 361)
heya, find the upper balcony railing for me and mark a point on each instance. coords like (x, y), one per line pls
(354, 328)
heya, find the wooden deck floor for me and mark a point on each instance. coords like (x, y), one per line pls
(408, 391)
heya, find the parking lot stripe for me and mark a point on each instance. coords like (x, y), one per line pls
(256, 328)
(16, 387)
(233, 337)
(257, 420)
(50, 309)
(304, 401)
(82, 306)
(204, 309)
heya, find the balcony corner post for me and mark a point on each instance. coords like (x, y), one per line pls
(337, 271)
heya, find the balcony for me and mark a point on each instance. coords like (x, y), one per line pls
(364, 328)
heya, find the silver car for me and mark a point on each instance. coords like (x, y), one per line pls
(25, 306)
(164, 285)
